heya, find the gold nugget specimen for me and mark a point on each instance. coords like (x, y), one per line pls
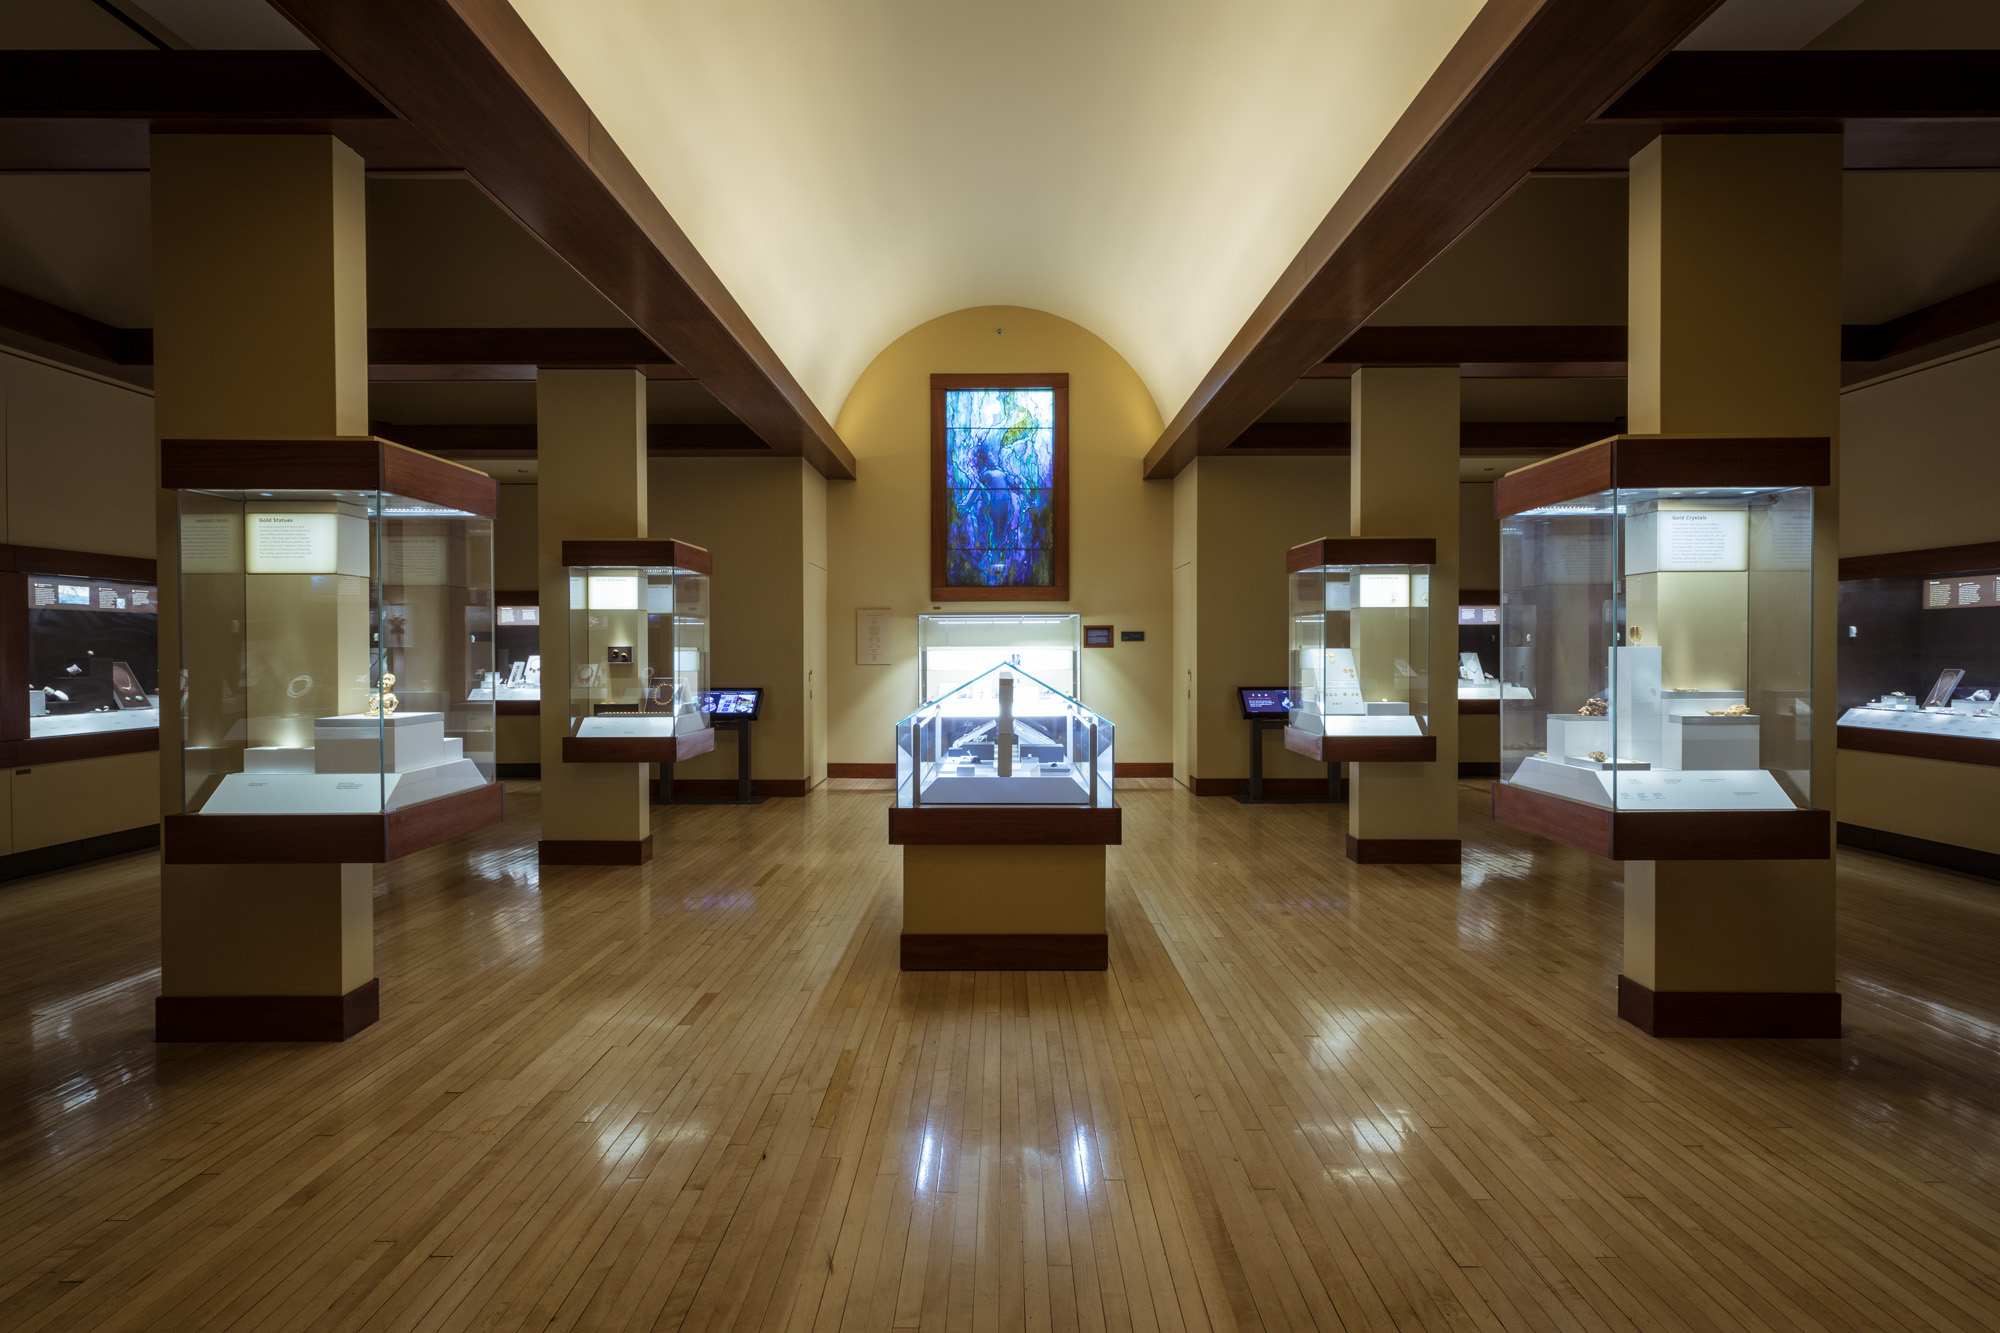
(1599, 756)
(381, 703)
(1734, 710)
(1595, 706)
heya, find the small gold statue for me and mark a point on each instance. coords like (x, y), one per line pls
(381, 703)
(1599, 756)
(1595, 706)
(1734, 710)
(1634, 635)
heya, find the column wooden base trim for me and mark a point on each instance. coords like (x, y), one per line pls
(1006, 953)
(1690, 1013)
(267, 1017)
(595, 852)
(1403, 851)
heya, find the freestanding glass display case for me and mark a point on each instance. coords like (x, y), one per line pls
(1920, 654)
(326, 674)
(1005, 738)
(1483, 673)
(639, 616)
(89, 678)
(515, 683)
(952, 649)
(1659, 591)
(1361, 649)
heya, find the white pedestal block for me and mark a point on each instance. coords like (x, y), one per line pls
(1697, 741)
(357, 743)
(278, 759)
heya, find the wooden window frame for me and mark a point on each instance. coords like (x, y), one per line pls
(1059, 528)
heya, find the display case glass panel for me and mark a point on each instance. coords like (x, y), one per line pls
(1360, 651)
(93, 655)
(326, 667)
(954, 649)
(1005, 738)
(1662, 638)
(1480, 662)
(1920, 659)
(638, 654)
(517, 652)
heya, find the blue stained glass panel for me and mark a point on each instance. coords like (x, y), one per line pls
(1000, 474)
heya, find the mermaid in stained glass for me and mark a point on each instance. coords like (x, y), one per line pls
(1000, 470)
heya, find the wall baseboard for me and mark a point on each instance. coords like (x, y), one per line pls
(41, 860)
(1403, 851)
(267, 1017)
(595, 852)
(1006, 953)
(1690, 1013)
(1479, 769)
(1143, 770)
(1944, 855)
(518, 772)
(860, 771)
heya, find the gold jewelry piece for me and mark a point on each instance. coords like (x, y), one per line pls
(381, 703)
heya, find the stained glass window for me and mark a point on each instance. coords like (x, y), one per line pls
(1000, 479)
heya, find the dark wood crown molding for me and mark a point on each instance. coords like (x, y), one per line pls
(1323, 551)
(471, 77)
(1647, 461)
(638, 552)
(357, 463)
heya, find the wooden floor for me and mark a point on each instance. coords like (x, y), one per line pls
(699, 1094)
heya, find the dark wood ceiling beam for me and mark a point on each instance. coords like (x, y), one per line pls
(1955, 324)
(472, 78)
(514, 440)
(1522, 78)
(159, 87)
(1783, 88)
(1476, 439)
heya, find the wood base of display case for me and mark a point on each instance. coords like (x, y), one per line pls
(1728, 1013)
(1403, 851)
(267, 1017)
(209, 840)
(518, 708)
(595, 852)
(1362, 749)
(41, 860)
(1003, 825)
(1006, 953)
(1667, 835)
(91, 745)
(1477, 707)
(1920, 745)
(637, 749)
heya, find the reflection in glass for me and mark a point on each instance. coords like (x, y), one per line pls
(1005, 738)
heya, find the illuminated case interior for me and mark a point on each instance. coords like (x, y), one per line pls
(638, 651)
(1920, 664)
(1360, 649)
(1005, 738)
(953, 649)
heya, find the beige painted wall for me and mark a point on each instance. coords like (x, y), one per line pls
(1235, 519)
(1478, 536)
(763, 519)
(514, 540)
(1121, 527)
(1902, 441)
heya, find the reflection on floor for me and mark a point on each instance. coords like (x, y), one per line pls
(699, 1094)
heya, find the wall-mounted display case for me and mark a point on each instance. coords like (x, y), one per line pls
(1361, 649)
(1659, 592)
(1481, 663)
(327, 673)
(1920, 654)
(953, 649)
(638, 651)
(515, 683)
(81, 670)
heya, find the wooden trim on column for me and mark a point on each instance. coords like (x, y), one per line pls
(639, 552)
(1004, 825)
(1006, 953)
(1646, 461)
(1728, 1013)
(470, 76)
(1523, 77)
(1479, 597)
(267, 1017)
(1403, 851)
(595, 852)
(1362, 749)
(1361, 551)
(341, 463)
(1478, 707)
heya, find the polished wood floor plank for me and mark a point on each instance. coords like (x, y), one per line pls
(699, 1094)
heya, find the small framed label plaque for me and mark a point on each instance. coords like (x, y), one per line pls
(1097, 636)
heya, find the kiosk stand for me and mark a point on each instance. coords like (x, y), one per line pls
(1267, 708)
(728, 710)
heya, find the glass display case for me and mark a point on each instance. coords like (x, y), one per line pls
(515, 683)
(326, 672)
(1005, 738)
(953, 649)
(1361, 649)
(639, 615)
(1480, 661)
(1659, 594)
(1920, 656)
(93, 655)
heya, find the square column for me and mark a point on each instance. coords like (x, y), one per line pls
(591, 437)
(260, 331)
(1405, 484)
(1735, 329)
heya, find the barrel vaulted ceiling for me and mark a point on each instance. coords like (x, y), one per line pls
(1145, 168)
